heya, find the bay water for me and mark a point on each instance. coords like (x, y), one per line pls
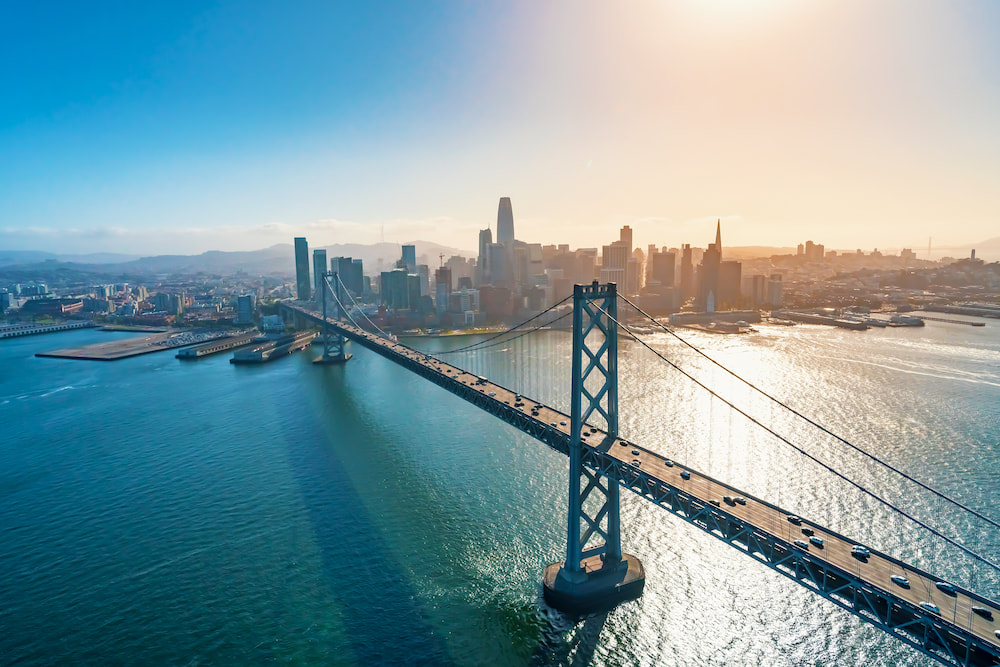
(155, 511)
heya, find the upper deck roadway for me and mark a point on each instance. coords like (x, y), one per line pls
(955, 634)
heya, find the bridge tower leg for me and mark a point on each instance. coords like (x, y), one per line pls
(598, 577)
(333, 341)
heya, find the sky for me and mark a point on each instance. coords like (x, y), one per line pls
(181, 127)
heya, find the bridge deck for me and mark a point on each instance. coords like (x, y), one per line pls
(863, 586)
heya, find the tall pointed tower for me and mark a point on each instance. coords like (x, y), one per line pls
(505, 237)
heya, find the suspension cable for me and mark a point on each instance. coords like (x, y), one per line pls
(824, 429)
(509, 340)
(359, 308)
(511, 329)
(809, 456)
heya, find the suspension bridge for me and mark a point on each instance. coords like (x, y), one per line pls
(946, 621)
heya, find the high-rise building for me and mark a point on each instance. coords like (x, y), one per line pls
(687, 272)
(303, 286)
(505, 237)
(409, 259)
(775, 296)
(394, 289)
(661, 268)
(708, 273)
(483, 267)
(505, 225)
(319, 268)
(625, 237)
(730, 279)
(442, 289)
(246, 305)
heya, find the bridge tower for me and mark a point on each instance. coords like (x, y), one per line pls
(593, 578)
(333, 343)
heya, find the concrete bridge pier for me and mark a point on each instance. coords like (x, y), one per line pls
(593, 579)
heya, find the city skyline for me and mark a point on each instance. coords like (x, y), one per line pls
(234, 127)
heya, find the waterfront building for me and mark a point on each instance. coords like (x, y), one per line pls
(302, 283)
(246, 306)
(775, 296)
(730, 275)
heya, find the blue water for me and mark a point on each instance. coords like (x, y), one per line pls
(155, 511)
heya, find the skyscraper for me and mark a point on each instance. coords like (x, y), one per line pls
(303, 287)
(687, 272)
(409, 259)
(505, 237)
(708, 274)
(483, 267)
(319, 268)
(625, 236)
(505, 225)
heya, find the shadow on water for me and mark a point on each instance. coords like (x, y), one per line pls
(380, 610)
(567, 640)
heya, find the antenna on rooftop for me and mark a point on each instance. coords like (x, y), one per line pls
(441, 257)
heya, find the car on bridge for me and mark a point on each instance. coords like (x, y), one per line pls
(900, 581)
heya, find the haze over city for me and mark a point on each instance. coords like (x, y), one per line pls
(234, 126)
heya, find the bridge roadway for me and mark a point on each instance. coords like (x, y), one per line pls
(955, 635)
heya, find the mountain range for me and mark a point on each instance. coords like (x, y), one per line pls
(276, 260)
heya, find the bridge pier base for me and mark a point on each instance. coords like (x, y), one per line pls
(596, 587)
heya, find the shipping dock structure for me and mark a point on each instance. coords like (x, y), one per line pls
(216, 346)
(268, 348)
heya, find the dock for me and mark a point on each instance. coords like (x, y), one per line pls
(135, 346)
(216, 346)
(16, 330)
(813, 318)
(265, 349)
(945, 319)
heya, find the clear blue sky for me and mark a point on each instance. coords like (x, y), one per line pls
(183, 127)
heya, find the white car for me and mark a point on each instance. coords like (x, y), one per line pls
(945, 587)
(930, 606)
(900, 580)
(859, 551)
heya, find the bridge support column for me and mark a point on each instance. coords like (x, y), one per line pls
(598, 577)
(333, 343)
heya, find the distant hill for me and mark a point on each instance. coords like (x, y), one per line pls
(275, 260)
(8, 257)
(754, 251)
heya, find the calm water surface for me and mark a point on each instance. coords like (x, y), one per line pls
(155, 511)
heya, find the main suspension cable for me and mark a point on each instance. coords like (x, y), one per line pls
(809, 456)
(824, 429)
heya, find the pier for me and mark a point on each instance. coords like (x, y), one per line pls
(17, 330)
(216, 346)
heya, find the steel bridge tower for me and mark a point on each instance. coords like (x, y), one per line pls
(333, 342)
(595, 577)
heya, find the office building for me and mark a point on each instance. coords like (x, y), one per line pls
(442, 288)
(246, 307)
(319, 268)
(303, 286)
(483, 267)
(409, 259)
